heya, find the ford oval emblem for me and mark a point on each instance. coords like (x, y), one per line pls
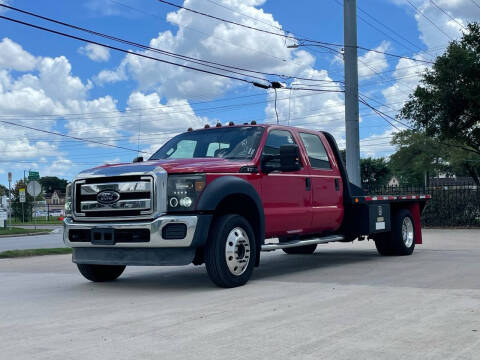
(107, 197)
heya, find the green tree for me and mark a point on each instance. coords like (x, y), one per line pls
(3, 190)
(375, 172)
(419, 157)
(446, 104)
(52, 183)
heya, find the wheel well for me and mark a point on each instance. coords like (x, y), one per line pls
(245, 206)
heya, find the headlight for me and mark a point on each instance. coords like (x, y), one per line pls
(68, 200)
(183, 191)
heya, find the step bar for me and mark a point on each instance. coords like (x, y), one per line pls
(298, 243)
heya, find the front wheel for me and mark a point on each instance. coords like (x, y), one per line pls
(101, 273)
(401, 239)
(230, 252)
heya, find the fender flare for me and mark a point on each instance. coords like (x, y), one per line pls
(225, 186)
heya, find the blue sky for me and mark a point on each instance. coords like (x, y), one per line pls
(62, 85)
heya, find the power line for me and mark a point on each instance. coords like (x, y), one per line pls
(302, 40)
(67, 136)
(428, 19)
(163, 52)
(478, 5)
(123, 50)
(246, 26)
(446, 13)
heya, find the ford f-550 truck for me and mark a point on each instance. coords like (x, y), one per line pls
(220, 195)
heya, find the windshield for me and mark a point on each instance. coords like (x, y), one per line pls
(226, 143)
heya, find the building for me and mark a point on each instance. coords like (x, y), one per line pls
(55, 201)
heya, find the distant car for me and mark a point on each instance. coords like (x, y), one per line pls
(40, 213)
(56, 213)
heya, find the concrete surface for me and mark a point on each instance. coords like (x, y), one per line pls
(52, 240)
(344, 302)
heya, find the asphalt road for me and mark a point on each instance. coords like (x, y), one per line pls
(344, 302)
(52, 240)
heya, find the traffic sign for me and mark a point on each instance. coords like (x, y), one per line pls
(34, 188)
(33, 175)
(21, 193)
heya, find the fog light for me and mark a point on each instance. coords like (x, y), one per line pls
(186, 202)
(173, 202)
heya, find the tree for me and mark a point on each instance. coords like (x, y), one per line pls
(420, 156)
(375, 172)
(3, 190)
(52, 183)
(446, 104)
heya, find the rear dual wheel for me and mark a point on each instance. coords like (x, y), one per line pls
(401, 239)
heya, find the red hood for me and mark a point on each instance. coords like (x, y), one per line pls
(172, 166)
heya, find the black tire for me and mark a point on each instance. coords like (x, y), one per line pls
(215, 251)
(301, 250)
(392, 243)
(101, 273)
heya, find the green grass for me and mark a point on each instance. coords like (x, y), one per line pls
(40, 221)
(34, 252)
(19, 231)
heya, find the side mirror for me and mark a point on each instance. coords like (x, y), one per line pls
(289, 158)
(138, 159)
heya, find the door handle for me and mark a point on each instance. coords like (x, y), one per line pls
(308, 184)
(337, 185)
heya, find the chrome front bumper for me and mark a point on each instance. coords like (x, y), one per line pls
(155, 227)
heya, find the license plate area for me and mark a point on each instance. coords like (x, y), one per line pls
(103, 236)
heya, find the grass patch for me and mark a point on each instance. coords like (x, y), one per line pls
(50, 221)
(34, 252)
(19, 231)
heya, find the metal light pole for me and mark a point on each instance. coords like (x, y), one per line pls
(10, 199)
(351, 92)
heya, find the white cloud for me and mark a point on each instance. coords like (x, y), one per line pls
(407, 75)
(307, 109)
(159, 122)
(95, 52)
(13, 57)
(60, 167)
(46, 86)
(217, 42)
(373, 62)
(378, 145)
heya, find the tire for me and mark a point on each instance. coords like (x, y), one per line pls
(401, 240)
(301, 250)
(101, 273)
(230, 251)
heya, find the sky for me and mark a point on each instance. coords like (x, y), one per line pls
(130, 104)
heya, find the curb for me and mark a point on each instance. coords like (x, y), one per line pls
(26, 234)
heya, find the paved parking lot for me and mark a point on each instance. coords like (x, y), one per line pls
(344, 302)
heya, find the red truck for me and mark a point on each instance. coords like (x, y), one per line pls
(220, 195)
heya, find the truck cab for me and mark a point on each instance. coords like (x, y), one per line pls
(217, 195)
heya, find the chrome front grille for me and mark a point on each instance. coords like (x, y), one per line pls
(134, 197)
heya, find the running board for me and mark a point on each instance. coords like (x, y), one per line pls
(298, 243)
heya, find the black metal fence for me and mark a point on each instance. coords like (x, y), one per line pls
(451, 205)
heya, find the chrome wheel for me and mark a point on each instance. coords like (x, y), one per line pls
(237, 251)
(407, 231)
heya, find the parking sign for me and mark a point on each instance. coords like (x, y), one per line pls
(21, 193)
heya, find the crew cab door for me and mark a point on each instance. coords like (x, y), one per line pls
(286, 195)
(327, 186)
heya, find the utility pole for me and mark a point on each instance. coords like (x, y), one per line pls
(351, 91)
